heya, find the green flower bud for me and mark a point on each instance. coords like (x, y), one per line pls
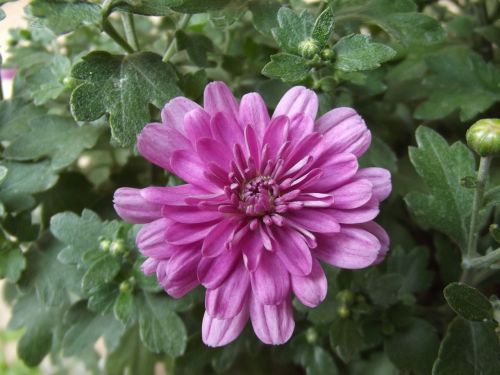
(104, 244)
(308, 48)
(125, 287)
(117, 247)
(327, 54)
(311, 335)
(343, 311)
(484, 137)
(345, 296)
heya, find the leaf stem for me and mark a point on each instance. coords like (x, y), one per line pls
(129, 27)
(482, 261)
(172, 45)
(482, 176)
(111, 31)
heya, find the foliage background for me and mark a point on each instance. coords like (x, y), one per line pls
(420, 73)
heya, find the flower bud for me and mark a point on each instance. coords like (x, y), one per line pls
(484, 137)
(327, 54)
(117, 247)
(311, 335)
(343, 311)
(308, 48)
(104, 244)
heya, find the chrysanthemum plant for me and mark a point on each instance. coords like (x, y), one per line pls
(253, 187)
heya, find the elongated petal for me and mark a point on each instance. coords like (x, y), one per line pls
(352, 195)
(219, 98)
(273, 324)
(361, 214)
(212, 151)
(149, 266)
(381, 235)
(213, 271)
(226, 130)
(252, 247)
(314, 220)
(151, 240)
(297, 100)
(352, 248)
(188, 166)
(270, 281)
(301, 125)
(132, 207)
(228, 299)
(334, 117)
(184, 233)
(311, 289)
(338, 169)
(276, 134)
(174, 111)
(171, 195)
(293, 251)
(216, 240)
(219, 332)
(253, 111)
(180, 273)
(157, 143)
(197, 125)
(380, 179)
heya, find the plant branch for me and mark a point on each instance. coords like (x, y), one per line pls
(129, 27)
(111, 31)
(482, 261)
(172, 45)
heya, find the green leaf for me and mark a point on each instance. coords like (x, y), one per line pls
(381, 155)
(289, 68)
(317, 361)
(323, 28)
(459, 80)
(413, 268)
(122, 86)
(446, 205)
(469, 348)
(357, 52)
(399, 19)
(421, 337)
(22, 181)
(103, 298)
(292, 29)
(264, 15)
(468, 302)
(200, 6)
(124, 308)
(86, 327)
(147, 7)
(101, 271)
(62, 16)
(196, 45)
(346, 339)
(160, 327)
(58, 138)
(12, 262)
(40, 324)
(384, 289)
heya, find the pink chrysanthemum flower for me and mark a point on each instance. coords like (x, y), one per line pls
(265, 200)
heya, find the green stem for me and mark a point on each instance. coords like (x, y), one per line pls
(482, 261)
(172, 45)
(111, 31)
(129, 27)
(482, 176)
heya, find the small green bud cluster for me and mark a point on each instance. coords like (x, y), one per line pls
(309, 49)
(127, 286)
(115, 247)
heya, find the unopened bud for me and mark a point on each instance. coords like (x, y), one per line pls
(484, 137)
(104, 244)
(311, 335)
(308, 48)
(343, 311)
(117, 247)
(327, 54)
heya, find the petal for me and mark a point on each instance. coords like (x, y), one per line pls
(212, 151)
(273, 324)
(350, 135)
(337, 168)
(197, 125)
(276, 134)
(253, 111)
(333, 118)
(311, 289)
(189, 214)
(352, 248)
(185, 233)
(151, 240)
(218, 98)
(149, 266)
(352, 195)
(228, 299)
(217, 240)
(270, 281)
(174, 111)
(180, 272)
(157, 142)
(314, 220)
(293, 251)
(191, 169)
(219, 332)
(132, 207)
(171, 195)
(361, 214)
(226, 130)
(251, 245)
(380, 179)
(381, 235)
(213, 271)
(300, 126)
(297, 100)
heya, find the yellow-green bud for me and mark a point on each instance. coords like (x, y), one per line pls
(308, 48)
(104, 244)
(484, 137)
(311, 335)
(327, 54)
(345, 296)
(117, 247)
(343, 311)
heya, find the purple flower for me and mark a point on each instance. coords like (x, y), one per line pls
(266, 200)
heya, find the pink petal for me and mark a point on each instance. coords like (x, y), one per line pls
(197, 125)
(338, 169)
(151, 240)
(251, 245)
(174, 111)
(273, 324)
(216, 241)
(300, 126)
(308, 145)
(157, 142)
(253, 111)
(149, 266)
(213, 271)
(184, 233)
(132, 207)
(171, 195)
(191, 169)
(189, 214)
(362, 214)
(381, 235)
(276, 134)
(219, 98)
(253, 144)
(181, 272)
(226, 130)
(228, 299)
(270, 281)
(297, 100)
(352, 195)
(311, 289)
(314, 220)
(219, 332)
(352, 248)
(212, 151)
(380, 179)
(293, 251)
(349, 135)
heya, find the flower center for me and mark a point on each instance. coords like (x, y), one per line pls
(257, 196)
